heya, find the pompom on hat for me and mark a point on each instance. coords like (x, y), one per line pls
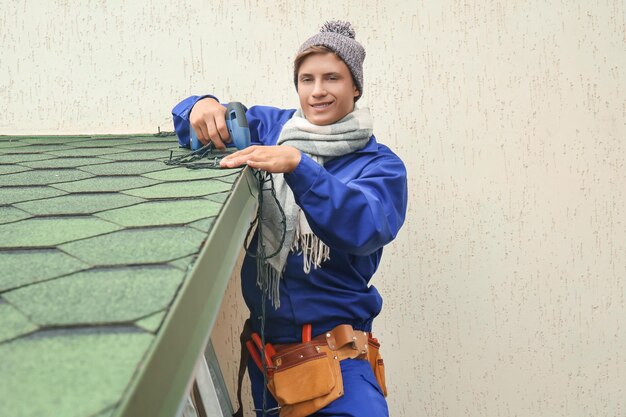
(338, 36)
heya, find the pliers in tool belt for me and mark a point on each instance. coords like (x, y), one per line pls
(255, 347)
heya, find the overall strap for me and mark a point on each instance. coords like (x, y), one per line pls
(243, 363)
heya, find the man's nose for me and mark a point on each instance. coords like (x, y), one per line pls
(319, 89)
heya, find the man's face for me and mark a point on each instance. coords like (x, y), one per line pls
(325, 88)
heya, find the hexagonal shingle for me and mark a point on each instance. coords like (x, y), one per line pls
(20, 157)
(104, 142)
(51, 231)
(11, 169)
(125, 168)
(10, 195)
(45, 147)
(86, 151)
(11, 214)
(78, 204)
(64, 162)
(161, 155)
(97, 367)
(218, 198)
(137, 246)
(203, 225)
(229, 179)
(184, 263)
(44, 176)
(180, 189)
(184, 174)
(27, 266)
(161, 213)
(104, 184)
(14, 323)
(11, 143)
(63, 140)
(24, 150)
(98, 296)
(150, 145)
(151, 323)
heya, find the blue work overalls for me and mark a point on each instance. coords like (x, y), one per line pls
(355, 204)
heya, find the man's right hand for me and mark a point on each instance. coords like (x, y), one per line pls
(208, 120)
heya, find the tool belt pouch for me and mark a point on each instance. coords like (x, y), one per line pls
(306, 378)
(377, 363)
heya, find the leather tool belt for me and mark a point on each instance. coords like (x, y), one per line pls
(305, 377)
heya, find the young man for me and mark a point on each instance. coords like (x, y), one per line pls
(344, 196)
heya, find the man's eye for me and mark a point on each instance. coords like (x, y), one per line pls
(305, 80)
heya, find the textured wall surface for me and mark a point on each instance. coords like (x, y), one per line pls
(505, 292)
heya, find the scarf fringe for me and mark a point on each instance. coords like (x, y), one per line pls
(313, 250)
(268, 280)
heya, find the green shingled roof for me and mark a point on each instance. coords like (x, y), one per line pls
(97, 238)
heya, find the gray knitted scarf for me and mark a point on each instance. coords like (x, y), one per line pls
(321, 143)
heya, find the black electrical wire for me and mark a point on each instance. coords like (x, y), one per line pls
(192, 160)
(265, 182)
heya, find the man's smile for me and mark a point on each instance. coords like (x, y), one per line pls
(323, 105)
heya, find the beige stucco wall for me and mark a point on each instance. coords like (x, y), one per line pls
(505, 291)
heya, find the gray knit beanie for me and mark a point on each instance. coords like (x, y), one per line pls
(338, 36)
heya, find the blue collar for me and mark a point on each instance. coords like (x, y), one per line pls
(371, 147)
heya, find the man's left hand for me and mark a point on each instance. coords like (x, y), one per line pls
(275, 159)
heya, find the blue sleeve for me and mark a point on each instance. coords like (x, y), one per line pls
(265, 122)
(180, 113)
(360, 216)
